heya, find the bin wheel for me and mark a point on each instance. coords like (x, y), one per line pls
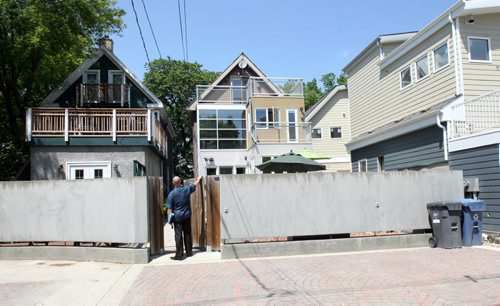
(432, 242)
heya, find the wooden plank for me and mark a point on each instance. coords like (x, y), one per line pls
(213, 213)
(197, 222)
(155, 203)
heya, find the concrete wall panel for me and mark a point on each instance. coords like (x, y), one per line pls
(302, 204)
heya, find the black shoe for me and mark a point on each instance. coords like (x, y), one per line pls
(189, 255)
(176, 258)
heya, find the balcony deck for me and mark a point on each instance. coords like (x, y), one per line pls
(476, 116)
(72, 122)
(255, 87)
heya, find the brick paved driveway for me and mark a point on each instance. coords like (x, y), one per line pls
(403, 277)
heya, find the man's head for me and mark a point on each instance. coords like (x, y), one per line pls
(177, 181)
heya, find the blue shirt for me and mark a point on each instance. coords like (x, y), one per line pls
(179, 201)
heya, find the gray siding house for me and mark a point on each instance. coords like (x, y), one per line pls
(102, 122)
(430, 100)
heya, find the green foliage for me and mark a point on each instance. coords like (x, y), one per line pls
(174, 82)
(11, 160)
(328, 81)
(41, 42)
(312, 93)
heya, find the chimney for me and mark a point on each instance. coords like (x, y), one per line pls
(107, 43)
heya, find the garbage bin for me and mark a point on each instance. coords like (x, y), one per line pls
(444, 218)
(472, 222)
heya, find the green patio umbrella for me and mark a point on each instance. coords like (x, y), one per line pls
(313, 155)
(290, 163)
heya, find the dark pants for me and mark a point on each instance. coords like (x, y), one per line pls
(183, 230)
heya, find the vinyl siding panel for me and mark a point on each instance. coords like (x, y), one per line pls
(423, 148)
(483, 163)
(335, 113)
(480, 78)
(376, 97)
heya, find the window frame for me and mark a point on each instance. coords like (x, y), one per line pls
(217, 139)
(104, 165)
(490, 60)
(366, 165)
(417, 79)
(336, 127)
(268, 124)
(91, 71)
(401, 87)
(434, 57)
(320, 133)
(381, 163)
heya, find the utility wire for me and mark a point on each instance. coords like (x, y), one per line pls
(140, 31)
(186, 31)
(152, 32)
(182, 31)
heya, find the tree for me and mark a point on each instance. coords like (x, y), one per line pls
(41, 43)
(174, 82)
(312, 93)
(328, 81)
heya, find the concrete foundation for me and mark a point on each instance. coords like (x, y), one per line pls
(116, 255)
(287, 248)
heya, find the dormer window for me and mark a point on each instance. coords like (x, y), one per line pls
(422, 66)
(441, 57)
(91, 77)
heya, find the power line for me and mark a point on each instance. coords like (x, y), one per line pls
(182, 31)
(152, 32)
(186, 30)
(140, 31)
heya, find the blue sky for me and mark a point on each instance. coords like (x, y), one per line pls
(284, 38)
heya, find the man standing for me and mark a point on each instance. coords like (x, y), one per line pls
(178, 202)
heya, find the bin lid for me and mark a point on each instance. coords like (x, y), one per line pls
(473, 205)
(450, 205)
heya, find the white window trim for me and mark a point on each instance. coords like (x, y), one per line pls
(434, 58)
(260, 122)
(401, 78)
(296, 122)
(110, 76)
(378, 164)
(105, 174)
(428, 68)
(321, 129)
(489, 49)
(359, 164)
(92, 71)
(336, 127)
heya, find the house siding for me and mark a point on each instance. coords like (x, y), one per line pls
(45, 161)
(335, 113)
(480, 78)
(483, 163)
(376, 97)
(420, 149)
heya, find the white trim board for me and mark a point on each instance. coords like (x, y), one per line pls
(474, 141)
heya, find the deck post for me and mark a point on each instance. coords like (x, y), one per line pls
(66, 125)
(148, 124)
(113, 124)
(28, 124)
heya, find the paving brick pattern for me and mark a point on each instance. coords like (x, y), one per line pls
(424, 276)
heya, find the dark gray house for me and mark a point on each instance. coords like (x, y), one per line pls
(101, 122)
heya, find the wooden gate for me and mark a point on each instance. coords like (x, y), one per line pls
(155, 203)
(205, 220)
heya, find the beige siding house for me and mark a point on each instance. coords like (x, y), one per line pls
(430, 99)
(245, 118)
(331, 131)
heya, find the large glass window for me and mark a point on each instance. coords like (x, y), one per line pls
(422, 68)
(222, 129)
(479, 49)
(405, 77)
(441, 58)
(237, 91)
(267, 118)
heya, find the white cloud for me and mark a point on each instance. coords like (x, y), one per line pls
(344, 53)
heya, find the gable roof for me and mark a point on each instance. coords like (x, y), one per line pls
(323, 101)
(56, 93)
(225, 73)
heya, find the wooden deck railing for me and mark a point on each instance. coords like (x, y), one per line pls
(45, 122)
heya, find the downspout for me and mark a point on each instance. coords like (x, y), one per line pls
(445, 135)
(455, 55)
